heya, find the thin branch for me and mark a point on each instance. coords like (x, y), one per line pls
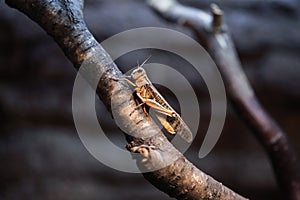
(62, 19)
(213, 34)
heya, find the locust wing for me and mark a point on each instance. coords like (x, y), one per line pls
(173, 124)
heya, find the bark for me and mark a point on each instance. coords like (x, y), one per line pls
(63, 20)
(213, 34)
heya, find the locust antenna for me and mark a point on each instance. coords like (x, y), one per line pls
(144, 61)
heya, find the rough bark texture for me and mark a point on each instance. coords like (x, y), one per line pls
(213, 34)
(62, 19)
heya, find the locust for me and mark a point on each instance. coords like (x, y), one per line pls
(151, 98)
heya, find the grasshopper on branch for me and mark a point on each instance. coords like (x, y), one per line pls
(151, 98)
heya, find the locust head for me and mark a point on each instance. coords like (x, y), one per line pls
(138, 73)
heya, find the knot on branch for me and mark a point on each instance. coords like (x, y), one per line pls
(145, 151)
(149, 157)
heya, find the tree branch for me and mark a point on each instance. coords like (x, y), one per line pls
(63, 20)
(213, 34)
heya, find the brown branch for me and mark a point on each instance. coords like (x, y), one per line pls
(63, 20)
(214, 36)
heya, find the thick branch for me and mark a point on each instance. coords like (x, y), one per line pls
(62, 19)
(212, 33)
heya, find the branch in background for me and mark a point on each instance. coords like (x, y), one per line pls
(212, 32)
(63, 20)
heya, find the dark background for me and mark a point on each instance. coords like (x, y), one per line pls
(41, 156)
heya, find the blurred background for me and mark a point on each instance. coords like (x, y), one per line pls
(41, 155)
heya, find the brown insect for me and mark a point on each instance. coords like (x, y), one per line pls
(151, 98)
